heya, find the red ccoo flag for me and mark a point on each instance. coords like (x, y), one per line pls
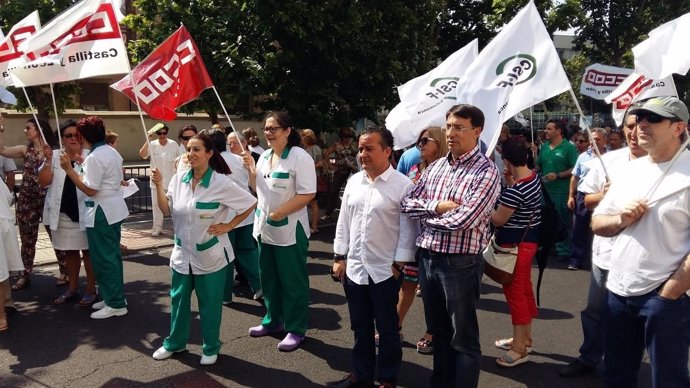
(171, 76)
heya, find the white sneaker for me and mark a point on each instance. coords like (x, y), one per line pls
(107, 312)
(259, 294)
(208, 360)
(156, 233)
(101, 304)
(162, 354)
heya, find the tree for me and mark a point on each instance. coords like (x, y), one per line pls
(11, 12)
(230, 38)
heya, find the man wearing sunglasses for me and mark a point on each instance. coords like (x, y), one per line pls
(647, 209)
(163, 153)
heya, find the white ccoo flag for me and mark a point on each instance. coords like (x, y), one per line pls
(425, 100)
(665, 51)
(517, 69)
(10, 54)
(84, 41)
(636, 88)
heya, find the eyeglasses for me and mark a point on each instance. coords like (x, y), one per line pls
(272, 129)
(70, 135)
(580, 141)
(457, 128)
(424, 141)
(653, 118)
(186, 138)
(162, 133)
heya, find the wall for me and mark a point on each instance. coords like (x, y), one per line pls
(125, 124)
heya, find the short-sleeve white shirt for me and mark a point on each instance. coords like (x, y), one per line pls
(103, 172)
(239, 175)
(6, 165)
(293, 174)
(192, 214)
(371, 229)
(163, 158)
(645, 254)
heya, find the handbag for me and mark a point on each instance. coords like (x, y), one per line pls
(499, 262)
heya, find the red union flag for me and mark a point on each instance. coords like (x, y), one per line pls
(10, 54)
(171, 76)
(637, 87)
(84, 41)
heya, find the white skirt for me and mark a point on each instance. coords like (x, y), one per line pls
(10, 260)
(67, 236)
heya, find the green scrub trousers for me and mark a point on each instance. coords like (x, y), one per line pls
(106, 258)
(246, 251)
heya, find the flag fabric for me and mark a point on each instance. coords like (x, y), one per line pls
(10, 54)
(599, 80)
(635, 88)
(171, 76)
(665, 51)
(425, 100)
(517, 69)
(6, 97)
(84, 41)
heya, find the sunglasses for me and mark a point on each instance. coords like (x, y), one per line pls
(272, 129)
(70, 135)
(580, 141)
(162, 133)
(424, 141)
(186, 138)
(653, 118)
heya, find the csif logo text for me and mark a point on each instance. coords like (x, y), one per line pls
(516, 70)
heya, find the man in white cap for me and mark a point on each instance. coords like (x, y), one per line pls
(163, 153)
(647, 209)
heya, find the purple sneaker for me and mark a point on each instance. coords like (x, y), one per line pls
(261, 330)
(290, 342)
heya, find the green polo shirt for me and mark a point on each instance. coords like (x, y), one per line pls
(557, 159)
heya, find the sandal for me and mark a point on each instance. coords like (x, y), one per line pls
(506, 344)
(21, 283)
(3, 324)
(425, 346)
(66, 296)
(508, 361)
(88, 299)
(62, 280)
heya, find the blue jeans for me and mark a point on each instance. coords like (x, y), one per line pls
(451, 291)
(661, 325)
(593, 319)
(367, 304)
(581, 236)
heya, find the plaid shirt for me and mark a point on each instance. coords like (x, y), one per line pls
(472, 181)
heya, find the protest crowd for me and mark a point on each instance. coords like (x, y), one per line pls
(427, 205)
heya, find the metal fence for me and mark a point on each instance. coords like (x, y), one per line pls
(141, 200)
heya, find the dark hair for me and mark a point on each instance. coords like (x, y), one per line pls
(188, 127)
(92, 129)
(47, 132)
(210, 138)
(346, 132)
(515, 151)
(466, 111)
(559, 126)
(111, 137)
(386, 135)
(285, 121)
(66, 124)
(249, 132)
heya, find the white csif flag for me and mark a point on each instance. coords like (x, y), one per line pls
(10, 54)
(517, 69)
(637, 87)
(84, 41)
(425, 100)
(665, 51)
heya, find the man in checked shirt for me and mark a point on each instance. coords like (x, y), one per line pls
(454, 200)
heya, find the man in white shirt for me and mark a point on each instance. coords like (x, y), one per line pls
(371, 235)
(163, 153)
(648, 210)
(7, 169)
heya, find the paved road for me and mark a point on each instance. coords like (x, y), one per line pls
(60, 346)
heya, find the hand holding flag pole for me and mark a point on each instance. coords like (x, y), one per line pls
(589, 133)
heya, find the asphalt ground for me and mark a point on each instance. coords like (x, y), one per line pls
(60, 346)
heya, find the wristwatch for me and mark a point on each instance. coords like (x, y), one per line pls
(337, 257)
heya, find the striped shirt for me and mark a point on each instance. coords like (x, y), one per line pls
(524, 197)
(472, 181)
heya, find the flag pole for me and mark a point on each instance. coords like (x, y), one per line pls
(143, 124)
(57, 120)
(531, 127)
(589, 132)
(38, 123)
(227, 115)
